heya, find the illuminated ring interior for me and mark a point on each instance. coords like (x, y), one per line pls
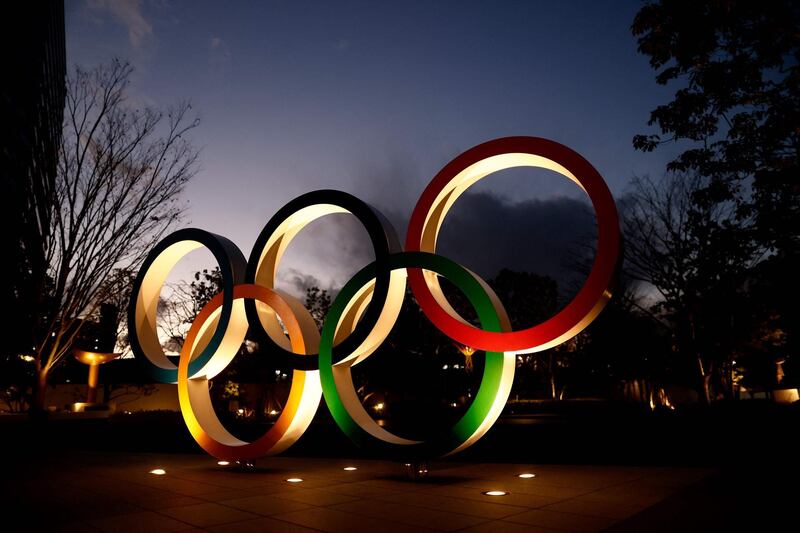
(143, 307)
(467, 169)
(193, 393)
(346, 407)
(272, 243)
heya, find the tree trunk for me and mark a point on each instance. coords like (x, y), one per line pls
(553, 393)
(39, 404)
(705, 382)
(705, 377)
(725, 376)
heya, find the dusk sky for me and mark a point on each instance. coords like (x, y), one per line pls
(374, 98)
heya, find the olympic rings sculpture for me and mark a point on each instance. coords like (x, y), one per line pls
(365, 310)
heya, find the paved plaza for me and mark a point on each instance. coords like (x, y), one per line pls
(117, 492)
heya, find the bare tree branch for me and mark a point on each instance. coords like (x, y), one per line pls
(121, 172)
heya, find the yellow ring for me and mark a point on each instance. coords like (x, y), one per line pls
(193, 393)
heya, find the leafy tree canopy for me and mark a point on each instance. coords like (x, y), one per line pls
(738, 107)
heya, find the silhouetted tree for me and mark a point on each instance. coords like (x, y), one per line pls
(318, 303)
(120, 174)
(205, 286)
(530, 299)
(697, 260)
(739, 104)
(736, 64)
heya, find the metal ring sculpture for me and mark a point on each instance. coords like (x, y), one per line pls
(365, 310)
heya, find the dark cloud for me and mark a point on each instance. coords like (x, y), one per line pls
(325, 254)
(487, 233)
(545, 230)
(296, 282)
(483, 232)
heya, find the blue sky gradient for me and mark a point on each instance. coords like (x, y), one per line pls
(374, 98)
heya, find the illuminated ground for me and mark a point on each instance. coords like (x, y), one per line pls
(733, 468)
(116, 492)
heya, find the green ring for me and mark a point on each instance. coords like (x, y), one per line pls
(490, 388)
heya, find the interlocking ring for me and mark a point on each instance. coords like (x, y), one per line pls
(195, 400)
(145, 295)
(365, 310)
(498, 374)
(466, 170)
(268, 251)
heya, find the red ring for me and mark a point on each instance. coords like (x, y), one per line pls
(592, 296)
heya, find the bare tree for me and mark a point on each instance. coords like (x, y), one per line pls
(117, 190)
(697, 260)
(177, 309)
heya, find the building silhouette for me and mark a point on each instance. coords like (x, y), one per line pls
(31, 115)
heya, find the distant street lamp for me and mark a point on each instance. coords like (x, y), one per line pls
(467, 352)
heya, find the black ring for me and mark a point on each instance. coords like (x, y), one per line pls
(384, 241)
(232, 266)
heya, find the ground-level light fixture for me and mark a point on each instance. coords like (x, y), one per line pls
(158, 472)
(526, 475)
(350, 468)
(495, 493)
(223, 463)
(294, 480)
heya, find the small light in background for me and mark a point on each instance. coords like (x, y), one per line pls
(526, 476)
(350, 468)
(495, 493)
(379, 406)
(273, 412)
(223, 463)
(158, 472)
(294, 480)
